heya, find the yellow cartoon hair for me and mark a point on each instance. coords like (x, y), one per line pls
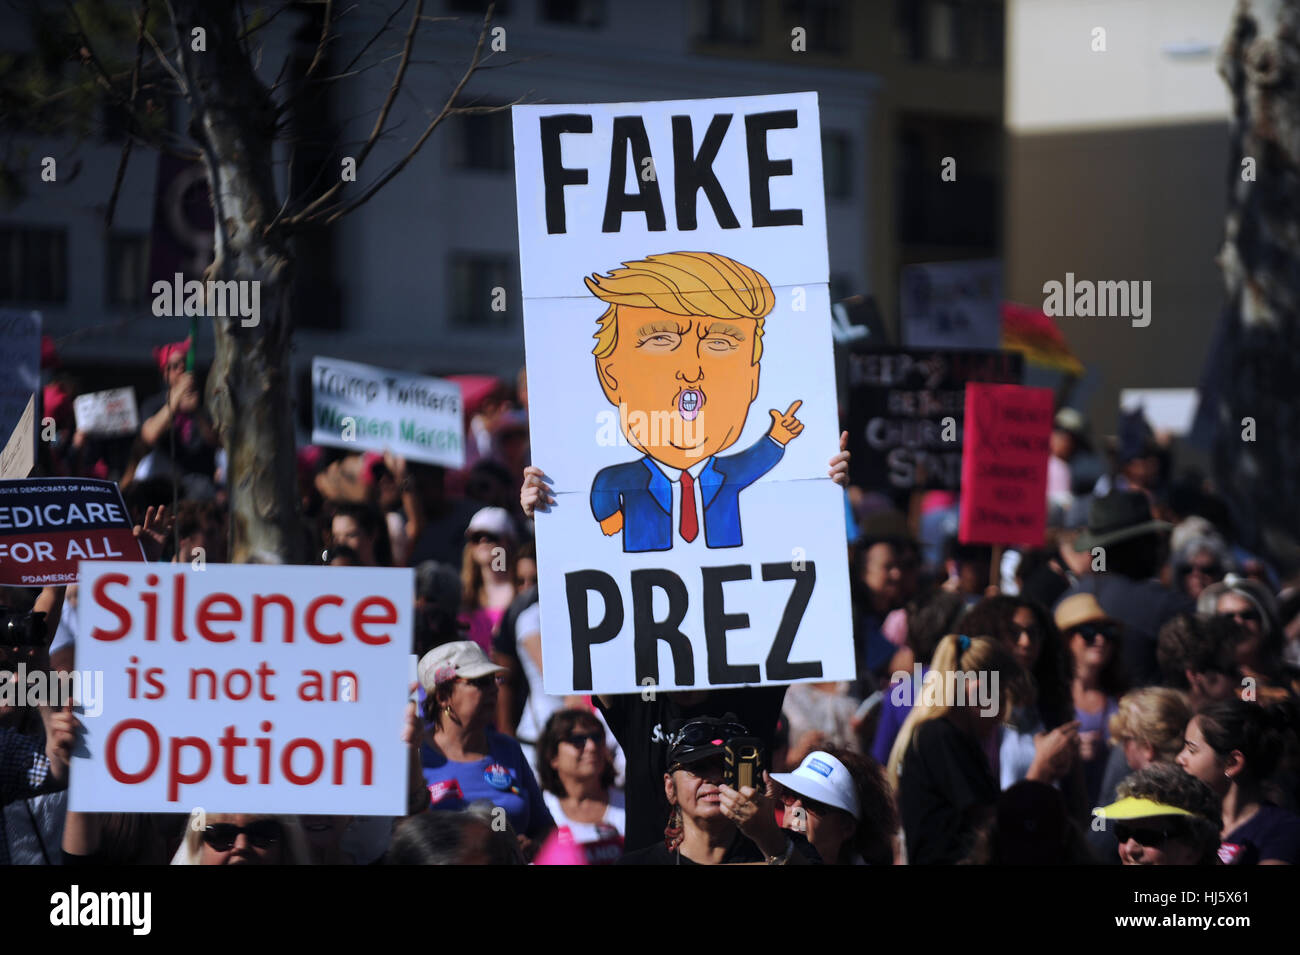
(682, 283)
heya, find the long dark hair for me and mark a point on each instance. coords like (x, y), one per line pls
(873, 835)
(995, 617)
(560, 725)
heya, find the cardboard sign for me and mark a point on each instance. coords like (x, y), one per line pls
(697, 540)
(906, 410)
(951, 305)
(19, 454)
(1004, 465)
(245, 689)
(1166, 409)
(107, 413)
(47, 525)
(20, 357)
(372, 409)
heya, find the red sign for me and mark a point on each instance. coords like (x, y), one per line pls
(1004, 465)
(48, 524)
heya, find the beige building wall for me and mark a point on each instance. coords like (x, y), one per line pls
(1117, 170)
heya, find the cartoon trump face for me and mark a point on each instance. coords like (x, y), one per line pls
(677, 352)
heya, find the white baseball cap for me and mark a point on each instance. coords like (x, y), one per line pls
(823, 778)
(492, 520)
(460, 658)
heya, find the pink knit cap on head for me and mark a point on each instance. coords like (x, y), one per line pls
(163, 353)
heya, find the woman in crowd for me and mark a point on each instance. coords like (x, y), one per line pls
(577, 780)
(940, 765)
(1093, 639)
(928, 621)
(711, 823)
(877, 584)
(487, 573)
(1233, 747)
(452, 838)
(1042, 728)
(462, 759)
(1164, 817)
(841, 800)
(360, 527)
(1199, 655)
(221, 839)
(1147, 728)
(1260, 653)
(1200, 562)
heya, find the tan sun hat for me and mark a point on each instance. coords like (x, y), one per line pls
(1079, 609)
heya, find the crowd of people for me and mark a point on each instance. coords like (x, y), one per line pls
(1123, 693)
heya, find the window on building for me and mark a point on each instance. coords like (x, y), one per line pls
(727, 22)
(483, 141)
(837, 165)
(126, 269)
(826, 23)
(583, 13)
(482, 291)
(33, 265)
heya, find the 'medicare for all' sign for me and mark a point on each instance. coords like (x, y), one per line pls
(243, 688)
(47, 525)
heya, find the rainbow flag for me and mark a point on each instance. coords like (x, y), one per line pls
(1032, 332)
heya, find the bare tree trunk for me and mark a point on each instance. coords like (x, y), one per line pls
(1259, 380)
(249, 393)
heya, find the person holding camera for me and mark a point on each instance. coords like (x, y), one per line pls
(710, 821)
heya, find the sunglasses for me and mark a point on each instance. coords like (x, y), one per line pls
(223, 835)
(1242, 616)
(579, 740)
(1089, 632)
(696, 734)
(1208, 570)
(483, 537)
(1146, 836)
(813, 806)
(481, 682)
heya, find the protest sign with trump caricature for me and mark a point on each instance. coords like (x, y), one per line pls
(682, 394)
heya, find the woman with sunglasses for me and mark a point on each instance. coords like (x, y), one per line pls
(212, 839)
(1041, 738)
(1093, 639)
(1260, 653)
(710, 823)
(1164, 817)
(1234, 747)
(487, 574)
(576, 774)
(464, 761)
(840, 800)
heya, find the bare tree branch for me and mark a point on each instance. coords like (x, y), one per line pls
(384, 110)
(324, 39)
(335, 213)
(135, 92)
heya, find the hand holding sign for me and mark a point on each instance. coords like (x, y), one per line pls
(785, 427)
(60, 737)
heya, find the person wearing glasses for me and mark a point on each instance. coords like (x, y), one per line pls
(1260, 653)
(1042, 735)
(213, 839)
(576, 774)
(710, 823)
(1201, 562)
(487, 573)
(1164, 817)
(462, 760)
(1234, 747)
(1093, 639)
(840, 800)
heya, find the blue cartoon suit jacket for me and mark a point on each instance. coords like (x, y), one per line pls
(646, 497)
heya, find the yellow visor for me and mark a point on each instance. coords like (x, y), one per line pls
(1134, 807)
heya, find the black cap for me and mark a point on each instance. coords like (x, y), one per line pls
(690, 740)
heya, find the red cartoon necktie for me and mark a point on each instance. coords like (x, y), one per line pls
(689, 526)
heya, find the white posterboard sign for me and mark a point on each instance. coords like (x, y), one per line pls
(363, 408)
(19, 454)
(20, 357)
(107, 413)
(242, 688)
(669, 252)
(952, 305)
(1166, 409)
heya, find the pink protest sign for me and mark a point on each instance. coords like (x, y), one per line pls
(1004, 465)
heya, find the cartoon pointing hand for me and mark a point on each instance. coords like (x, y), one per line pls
(785, 426)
